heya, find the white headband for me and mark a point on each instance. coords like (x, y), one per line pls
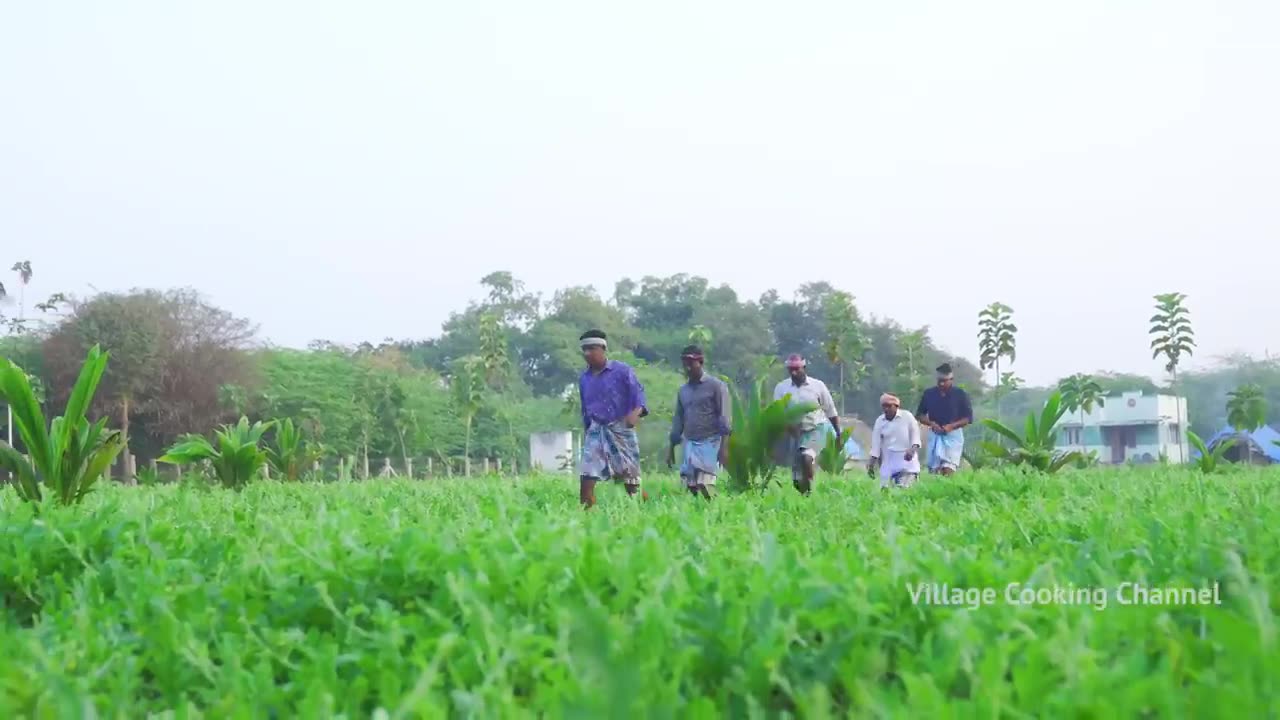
(594, 342)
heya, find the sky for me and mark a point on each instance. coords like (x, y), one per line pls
(349, 171)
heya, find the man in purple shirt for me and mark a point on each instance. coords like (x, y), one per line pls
(612, 404)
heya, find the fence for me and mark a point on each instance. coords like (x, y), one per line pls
(353, 467)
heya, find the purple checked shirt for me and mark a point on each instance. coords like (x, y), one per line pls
(611, 395)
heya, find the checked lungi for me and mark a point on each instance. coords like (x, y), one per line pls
(701, 461)
(610, 452)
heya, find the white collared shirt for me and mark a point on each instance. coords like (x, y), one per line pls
(897, 435)
(812, 391)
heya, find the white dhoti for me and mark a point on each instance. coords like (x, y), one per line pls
(896, 469)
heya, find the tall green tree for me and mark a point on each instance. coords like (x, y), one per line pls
(1247, 411)
(494, 356)
(845, 345)
(467, 391)
(1174, 338)
(171, 355)
(997, 340)
(909, 370)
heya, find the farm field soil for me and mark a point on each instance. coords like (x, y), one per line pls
(501, 598)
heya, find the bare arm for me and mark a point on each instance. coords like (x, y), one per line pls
(966, 414)
(677, 423)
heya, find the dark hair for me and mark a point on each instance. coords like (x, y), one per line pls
(945, 368)
(691, 350)
(593, 334)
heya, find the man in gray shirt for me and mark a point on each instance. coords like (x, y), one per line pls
(702, 423)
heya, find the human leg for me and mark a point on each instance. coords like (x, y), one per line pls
(700, 464)
(806, 461)
(587, 492)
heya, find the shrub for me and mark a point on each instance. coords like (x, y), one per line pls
(237, 458)
(1036, 448)
(71, 454)
(759, 424)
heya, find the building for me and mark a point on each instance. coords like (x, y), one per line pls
(1130, 427)
(551, 451)
(1258, 447)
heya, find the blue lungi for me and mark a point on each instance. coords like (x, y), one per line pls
(946, 450)
(701, 461)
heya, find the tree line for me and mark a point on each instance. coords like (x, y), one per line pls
(506, 365)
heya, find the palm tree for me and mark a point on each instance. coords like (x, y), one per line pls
(1246, 412)
(1081, 393)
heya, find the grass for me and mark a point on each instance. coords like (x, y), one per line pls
(494, 598)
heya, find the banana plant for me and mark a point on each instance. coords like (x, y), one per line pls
(833, 456)
(759, 424)
(236, 459)
(71, 454)
(1037, 447)
(1211, 461)
(292, 454)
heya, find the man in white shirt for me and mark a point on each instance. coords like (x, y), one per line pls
(806, 438)
(895, 445)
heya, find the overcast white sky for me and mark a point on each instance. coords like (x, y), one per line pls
(350, 170)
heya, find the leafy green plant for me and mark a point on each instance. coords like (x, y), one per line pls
(1210, 461)
(237, 458)
(1171, 331)
(292, 454)
(1036, 448)
(71, 454)
(1087, 459)
(833, 456)
(149, 476)
(759, 424)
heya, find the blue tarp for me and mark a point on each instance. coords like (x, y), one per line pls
(1264, 438)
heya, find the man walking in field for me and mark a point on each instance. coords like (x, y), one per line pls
(895, 445)
(946, 410)
(806, 438)
(612, 405)
(702, 422)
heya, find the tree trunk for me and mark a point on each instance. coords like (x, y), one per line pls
(126, 463)
(466, 447)
(404, 453)
(843, 403)
(1182, 422)
(997, 390)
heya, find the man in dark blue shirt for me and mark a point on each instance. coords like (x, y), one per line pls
(945, 410)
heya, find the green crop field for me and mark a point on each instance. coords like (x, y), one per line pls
(501, 598)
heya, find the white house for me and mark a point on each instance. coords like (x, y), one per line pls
(1130, 427)
(551, 451)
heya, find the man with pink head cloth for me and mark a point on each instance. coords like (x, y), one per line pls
(895, 445)
(806, 438)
